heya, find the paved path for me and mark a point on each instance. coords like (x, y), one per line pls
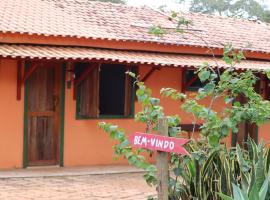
(127, 186)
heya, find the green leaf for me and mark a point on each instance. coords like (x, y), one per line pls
(268, 74)
(177, 171)
(225, 197)
(208, 88)
(243, 164)
(254, 194)
(228, 100)
(213, 139)
(238, 194)
(204, 75)
(208, 163)
(157, 31)
(224, 130)
(124, 144)
(259, 171)
(154, 101)
(264, 189)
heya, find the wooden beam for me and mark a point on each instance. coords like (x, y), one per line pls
(163, 163)
(19, 80)
(149, 73)
(29, 72)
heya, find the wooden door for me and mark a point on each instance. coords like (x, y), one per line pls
(44, 115)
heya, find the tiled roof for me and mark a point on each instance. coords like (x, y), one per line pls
(88, 19)
(135, 57)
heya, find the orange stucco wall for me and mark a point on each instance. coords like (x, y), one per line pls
(264, 133)
(11, 118)
(85, 144)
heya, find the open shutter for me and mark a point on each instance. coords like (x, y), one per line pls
(128, 92)
(89, 93)
(128, 95)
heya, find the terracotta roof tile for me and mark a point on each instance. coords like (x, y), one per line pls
(135, 57)
(88, 19)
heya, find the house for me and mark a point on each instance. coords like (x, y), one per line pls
(62, 70)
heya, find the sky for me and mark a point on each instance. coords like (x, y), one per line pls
(169, 3)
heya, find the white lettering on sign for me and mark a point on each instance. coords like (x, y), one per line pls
(137, 140)
(163, 144)
(153, 141)
(166, 144)
(159, 143)
(171, 146)
(144, 141)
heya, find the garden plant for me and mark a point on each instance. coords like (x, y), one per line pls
(212, 170)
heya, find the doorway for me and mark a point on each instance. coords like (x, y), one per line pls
(43, 115)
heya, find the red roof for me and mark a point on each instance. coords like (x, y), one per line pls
(88, 19)
(135, 57)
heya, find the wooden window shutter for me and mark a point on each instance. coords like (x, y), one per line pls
(89, 93)
(183, 80)
(128, 92)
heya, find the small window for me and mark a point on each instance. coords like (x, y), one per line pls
(192, 81)
(105, 92)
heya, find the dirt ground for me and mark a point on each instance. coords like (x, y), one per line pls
(128, 186)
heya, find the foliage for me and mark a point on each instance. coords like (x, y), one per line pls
(254, 174)
(157, 31)
(218, 172)
(251, 9)
(212, 171)
(124, 149)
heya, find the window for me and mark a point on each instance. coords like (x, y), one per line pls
(105, 92)
(192, 81)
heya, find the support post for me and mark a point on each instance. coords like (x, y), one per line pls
(162, 163)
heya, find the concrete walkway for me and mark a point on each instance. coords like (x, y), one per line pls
(93, 183)
(53, 171)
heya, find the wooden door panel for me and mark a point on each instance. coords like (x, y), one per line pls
(43, 115)
(41, 89)
(41, 143)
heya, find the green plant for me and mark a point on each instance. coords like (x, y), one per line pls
(254, 181)
(242, 194)
(212, 171)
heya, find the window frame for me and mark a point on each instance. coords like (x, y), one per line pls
(78, 116)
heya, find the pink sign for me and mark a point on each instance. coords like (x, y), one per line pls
(158, 142)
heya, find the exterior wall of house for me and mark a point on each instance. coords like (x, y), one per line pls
(11, 118)
(85, 144)
(264, 133)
